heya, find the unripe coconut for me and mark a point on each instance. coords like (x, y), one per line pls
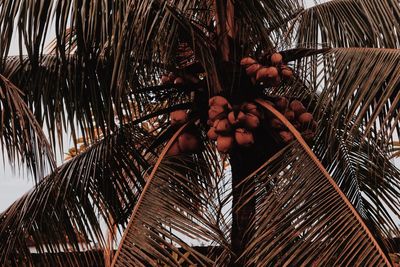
(218, 101)
(297, 107)
(305, 118)
(174, 150)
(289, 115)
(286, 136)
(249, 107)
(224, 143)
(236, 119)
(211, 134)
(216, 112)
(276, 124)
(178, 117)
(246, 61)
(179, 81)
(188, 142)
(251, 121)
(165, 79)
(276, 58)
(287, 72)
(281, 103)
(223, 126)
(243, 137)
(252, 69)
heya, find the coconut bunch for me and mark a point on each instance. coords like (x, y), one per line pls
(271, 74)
(295, 112)
(187, 142)
(231, 126)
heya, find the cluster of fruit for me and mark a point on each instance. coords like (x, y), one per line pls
(231, 125)
(187, 142)
(295, 112)
(270, 75)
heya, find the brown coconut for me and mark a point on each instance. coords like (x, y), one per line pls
(276, 58)
(276, 124)
(188, 142)
(243, 137)
(235, 119)
(251, 121)
(223, 126)
(289, 115)
(297, 107)
(174, 150)
(287, 72)
(308, 135)
(224, 143)
(281, 103)
(178, 117)
(211, 134)
(246, 61)
(165, 79)
(252, 69)
(286, 136)
(305, 119)
(218, 101)
(179, 81)
(216, 112)
(249, 107)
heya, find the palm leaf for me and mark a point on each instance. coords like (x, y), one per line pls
(348, 23)
(20, 134)
(300, 211)
(66, 210)
(171, 206)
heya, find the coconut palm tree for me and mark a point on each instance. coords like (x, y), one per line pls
(136, 82)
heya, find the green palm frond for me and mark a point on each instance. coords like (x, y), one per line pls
(21, 135)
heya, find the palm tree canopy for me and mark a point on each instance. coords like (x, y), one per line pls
(329, 201)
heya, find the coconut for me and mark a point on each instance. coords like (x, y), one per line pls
(246, 61)
(165, 79)
(276, 58)
(174, 150)
(216, 112)
(223, 126)
(276, 124)
(211, 134)
(262, 74)
(252, 69)
(224, 143)
(308, 135)
(188, 142)
(179, 81)
(287, 73)
(243, 137)
(297, 107)
(251, 121)
(218, 101)
(249, 107)
(281, 103)
(286, 136)
(236, 119)
(289, 115)
(305, 119)
(178, 117)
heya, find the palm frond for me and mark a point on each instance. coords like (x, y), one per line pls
(67, 210)
(171, 210)
(361, 86)
(20, 134)
(300, 211)
(349, 23)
